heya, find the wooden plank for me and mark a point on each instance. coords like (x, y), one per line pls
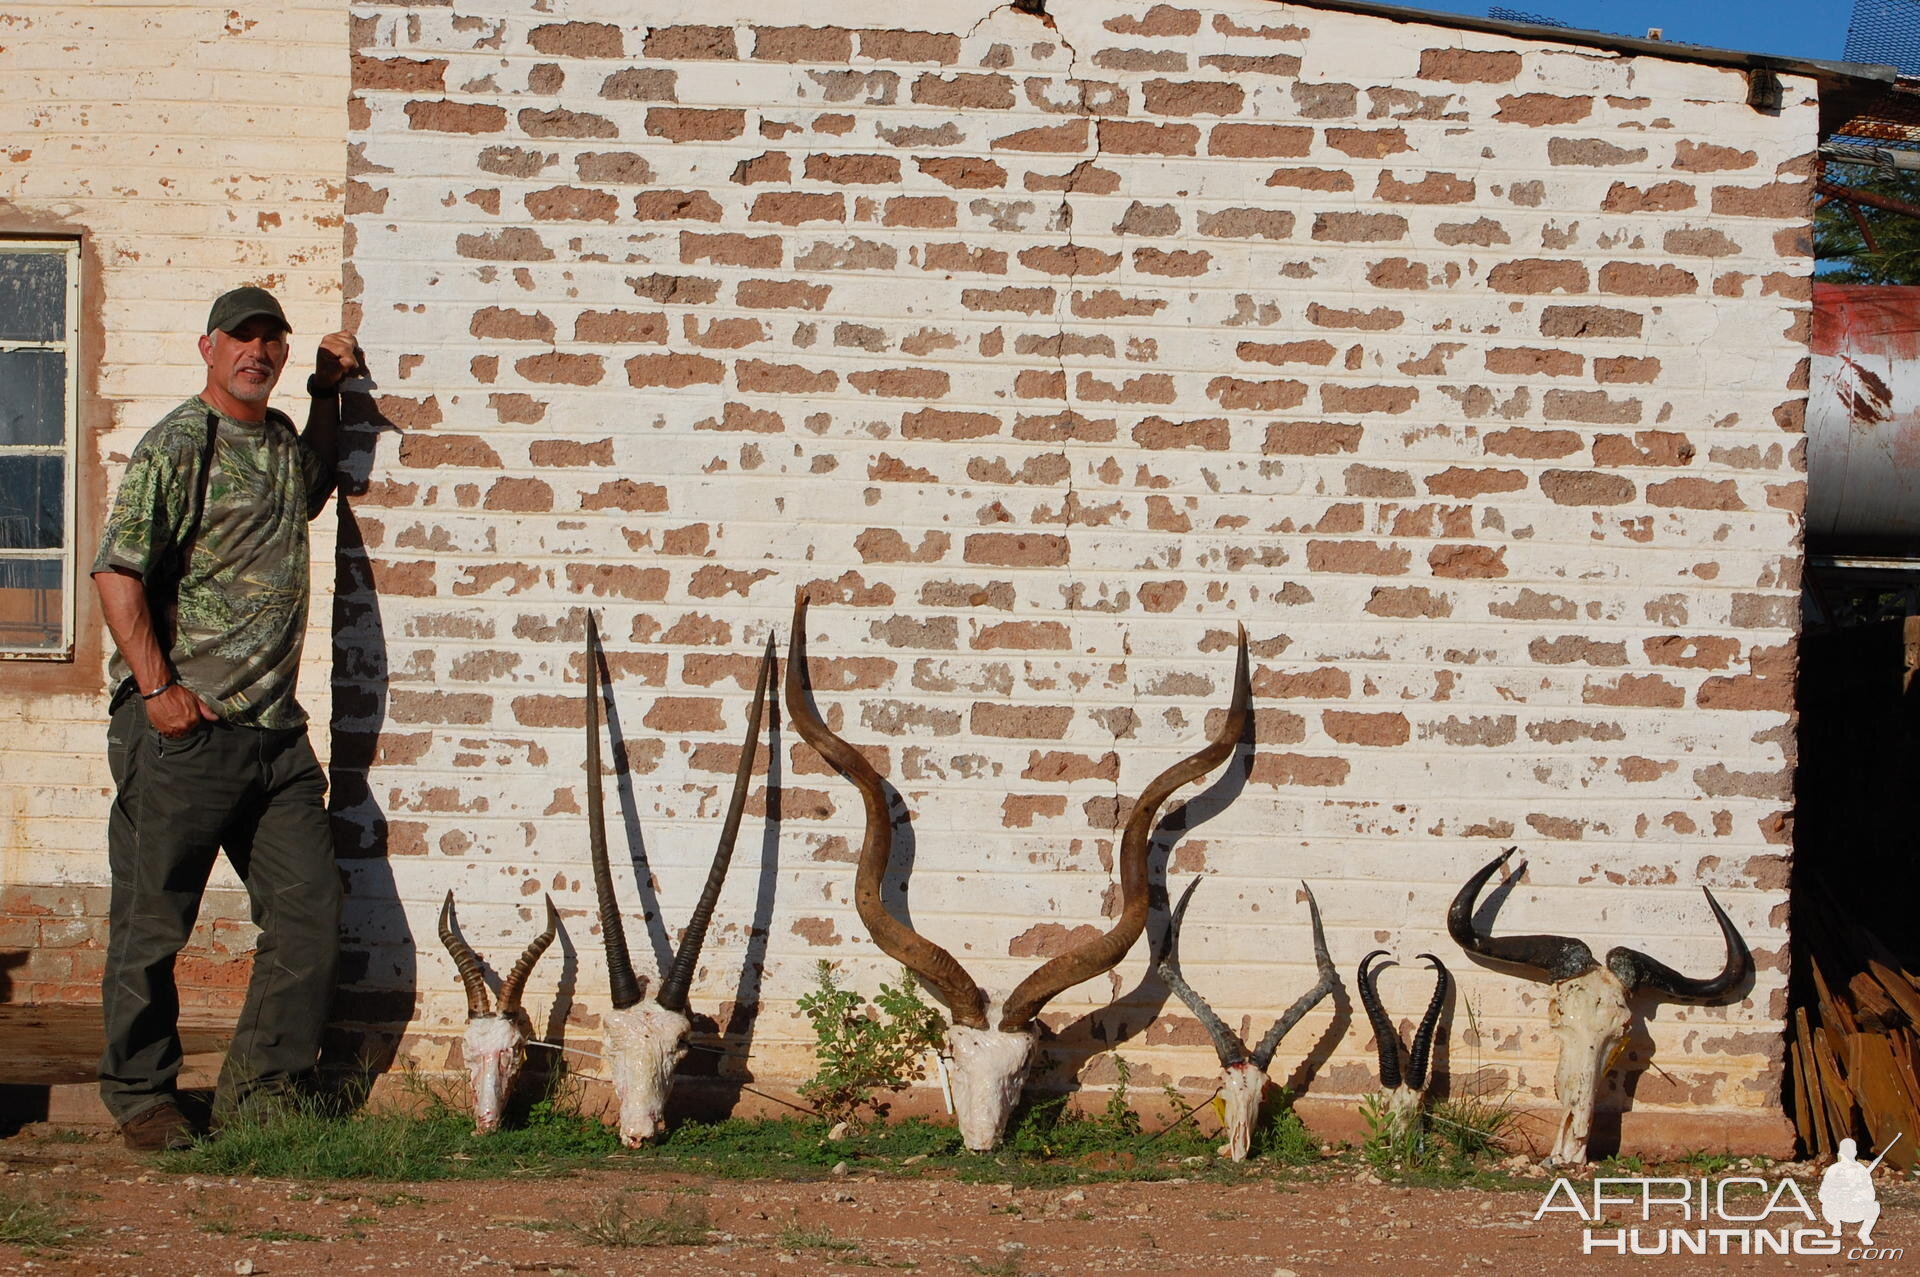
(1817, 1106)
(1834, 1013)
(1885, 1107)
(1833, 1086)
(1800, 1096)
(1899, 986)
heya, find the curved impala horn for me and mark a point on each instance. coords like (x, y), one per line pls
(673, 988)
(1386, 1039)
(466, 961)
(516, 981)
(1553, 958)
(1103, 952)
(1423, 1036)
(941, 971)
(1328, 982)
(1226, 1043)
(622, 987)
(1636, 970)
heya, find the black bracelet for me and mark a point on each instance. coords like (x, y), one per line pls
(147, 696)
(317, 391)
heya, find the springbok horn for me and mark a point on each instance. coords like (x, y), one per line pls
(941, 971)
(1423, 1036)
(464, 959)
(516, 981)
(1226, 1043)
(1386, 1039)
(622, 987)
(1552, 958)
(1329, 981)
(1637, 970)
(1103, 952)
(673, 989)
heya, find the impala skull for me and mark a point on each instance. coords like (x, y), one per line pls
(1588, 1009)
(646, 1039)
(1406, 1090)
(990, 1064)
(493, 1041)
(1244, 1073)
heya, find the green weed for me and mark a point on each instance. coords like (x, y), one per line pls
(616, 1225)
(34, 1224)
(797, 1238)
(283, 1235)
(860, 1053)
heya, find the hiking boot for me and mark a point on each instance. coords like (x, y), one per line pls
(162, 1128)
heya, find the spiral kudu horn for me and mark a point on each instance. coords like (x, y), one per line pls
(466, 961)
(622, 986)
(941, 971)
(673, 988)
(516, 981)
(1102, 953)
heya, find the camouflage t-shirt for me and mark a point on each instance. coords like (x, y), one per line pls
(242, 605)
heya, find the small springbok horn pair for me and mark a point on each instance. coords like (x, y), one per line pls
(1588, 1010)
(1405, 1091)
(493, 1040)
(645, 1040)
(989, 1065)
(1243, 1072)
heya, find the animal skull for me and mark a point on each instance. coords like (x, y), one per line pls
(492, 1043)
(989, 1067)
(646, 1039)
(1244, 1073)
(1588, 1008)
(1406, 1091)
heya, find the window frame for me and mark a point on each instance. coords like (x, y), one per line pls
(68, 450)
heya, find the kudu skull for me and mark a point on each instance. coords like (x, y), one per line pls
(1406, 1091)
(1244, 1073)
(1588, 1007)
(493, 1041)
(990, 1065)
(646, 1039)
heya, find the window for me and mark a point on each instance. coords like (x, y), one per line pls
(39, 317)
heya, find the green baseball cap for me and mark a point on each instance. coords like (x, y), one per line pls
(235, 307)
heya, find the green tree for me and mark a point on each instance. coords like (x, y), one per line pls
(1892, 254)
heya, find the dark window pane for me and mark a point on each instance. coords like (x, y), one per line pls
(33, 296)
(30, 607)
(32, 503)
(33, 396)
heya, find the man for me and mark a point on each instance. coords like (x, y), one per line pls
(202, 576)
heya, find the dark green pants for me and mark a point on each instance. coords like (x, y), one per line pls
(257, 794)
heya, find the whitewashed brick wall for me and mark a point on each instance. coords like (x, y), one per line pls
(1465, 371)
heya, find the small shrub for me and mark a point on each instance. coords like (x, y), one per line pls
(34, 1225)
(859, 1053)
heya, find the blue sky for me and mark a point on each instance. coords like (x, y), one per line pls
(1792, 28)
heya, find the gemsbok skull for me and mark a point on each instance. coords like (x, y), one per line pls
(1406, 1091)
(1588, 1007)
(646, 1039)
(990, 1065)
(1244, 1073)
(493, 1041)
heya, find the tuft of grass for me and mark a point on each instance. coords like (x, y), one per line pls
(795, 1237)
(283, 1235)
(618, 1226)
(34, 1225)
(1008, 1265)
(1701, 1162)
(65, 1135)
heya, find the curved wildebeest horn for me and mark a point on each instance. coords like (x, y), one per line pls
(465, 960)
(622, 986)
(674, 986)
(1636, 970)
(1328, 982)
(1552, 958)
(1386, 1039)
(516, 981)
(1423, 1036)
(1226, 1043)
(1102, 953)
(941, 971)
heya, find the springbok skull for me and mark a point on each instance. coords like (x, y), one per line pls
(990, 1065)
(646, 1040)
(493, 1041)
(1243, 1072)
(1405, 1091)
(1588, 1008)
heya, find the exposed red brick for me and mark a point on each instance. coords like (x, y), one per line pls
(1534, 361)
(640, 84)
(674, 370)
(1312, 179)
(964, 92)
(1320, 353)
(570, 452)
(425, 451)
(1627, 370)
(1695, 652)
(1746, 692)
(1069, 259)
(1129, 137)
(1542, 108)
(1782, 200)
(756, 376)
(1020, 301)
(851, 170)
(1160, 20)
(1390, 400)
(1645, 690)
(558, 123)
(403, 75)
(730, 249)
(1365, 558)
(1585, 487)
(1016, 549)
(620, 326)
(572, 204)
(577, 40)
(1590, 321)
(792, 208)
(909, 46)
(1469, 66)
(966, 173)
(1194, 97)
(1159, 434)
(926, 211)
(1645, 448)
(691, 43)
(1696, 494)
(1359, 227)
(1664, 197)
(1269, 141)
(675, 206)
(688, 290)
(510, 325)
(830, 45)
(1458, 481)
(1535, 275)
(768, 166)
(691, 124)
(1024, 636)
(1409, 601)
(1298, 769)
(737, 416)
(554, 368)
(1645, 279)
(937, 423)
(455, 117)
(1596, 407)
(901, 383)
(1140, 60)
(962, 258)
(1699, 242)
(517, 409)
(524, 495)
(1400, 273)
(1181, 264)
(1483, 232)
(1368, 144)
(886, 545)
(407, 706)
(1310, 438)
(1592, 152)
(619, 167)
(1706, 157)
(1241, 395)
(1379, 319)
(1106, 303)
(1434, 188)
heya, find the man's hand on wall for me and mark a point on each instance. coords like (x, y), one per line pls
(176, 712)
(337, 359)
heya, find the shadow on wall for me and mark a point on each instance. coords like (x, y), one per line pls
(375, 1001)
(8, 961)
